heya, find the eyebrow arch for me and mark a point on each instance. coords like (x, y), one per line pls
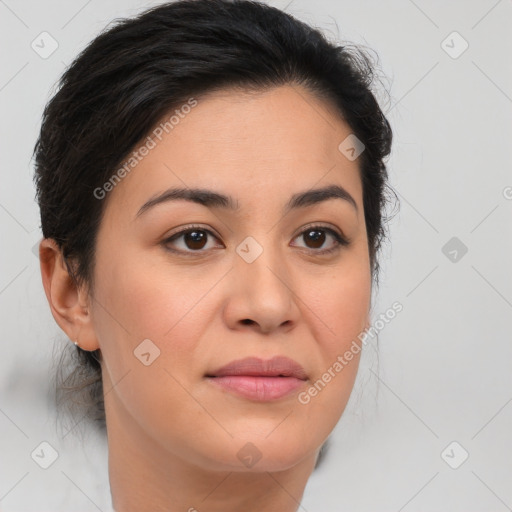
(212, 199)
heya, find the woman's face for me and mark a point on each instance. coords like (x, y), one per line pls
(252, 279)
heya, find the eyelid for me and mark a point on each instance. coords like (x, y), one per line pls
(325, 226)
(190, 227)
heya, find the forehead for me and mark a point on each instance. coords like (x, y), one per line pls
(249, 145)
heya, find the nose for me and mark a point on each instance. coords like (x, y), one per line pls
(261, 295)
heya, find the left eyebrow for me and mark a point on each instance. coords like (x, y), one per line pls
(318, 195)
(212, 199)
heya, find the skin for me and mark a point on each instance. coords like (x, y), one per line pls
(174, 437)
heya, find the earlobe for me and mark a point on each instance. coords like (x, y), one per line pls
(64, 296)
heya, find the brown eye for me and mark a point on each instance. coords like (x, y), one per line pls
(316, 236)
(195, 239)
(189, 241)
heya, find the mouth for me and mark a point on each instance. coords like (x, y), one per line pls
(260, 380)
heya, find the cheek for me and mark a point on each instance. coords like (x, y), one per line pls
(342, 303)
(156, 303)
(346, 309)
(150, 301)
(342, 308)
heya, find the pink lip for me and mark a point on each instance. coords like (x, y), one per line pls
(259, 379)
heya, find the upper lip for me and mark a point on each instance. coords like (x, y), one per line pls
(279, 366)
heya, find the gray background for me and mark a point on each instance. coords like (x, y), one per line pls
(444, 371)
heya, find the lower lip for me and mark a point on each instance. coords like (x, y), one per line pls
(261, 389)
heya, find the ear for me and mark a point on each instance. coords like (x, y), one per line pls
(69, 303)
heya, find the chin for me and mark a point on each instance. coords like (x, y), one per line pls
(257, 453)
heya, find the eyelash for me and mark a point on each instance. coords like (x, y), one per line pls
(340, 240)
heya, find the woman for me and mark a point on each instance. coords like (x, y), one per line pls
(212, 183)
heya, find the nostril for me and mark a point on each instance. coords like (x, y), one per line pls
(247, 321)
